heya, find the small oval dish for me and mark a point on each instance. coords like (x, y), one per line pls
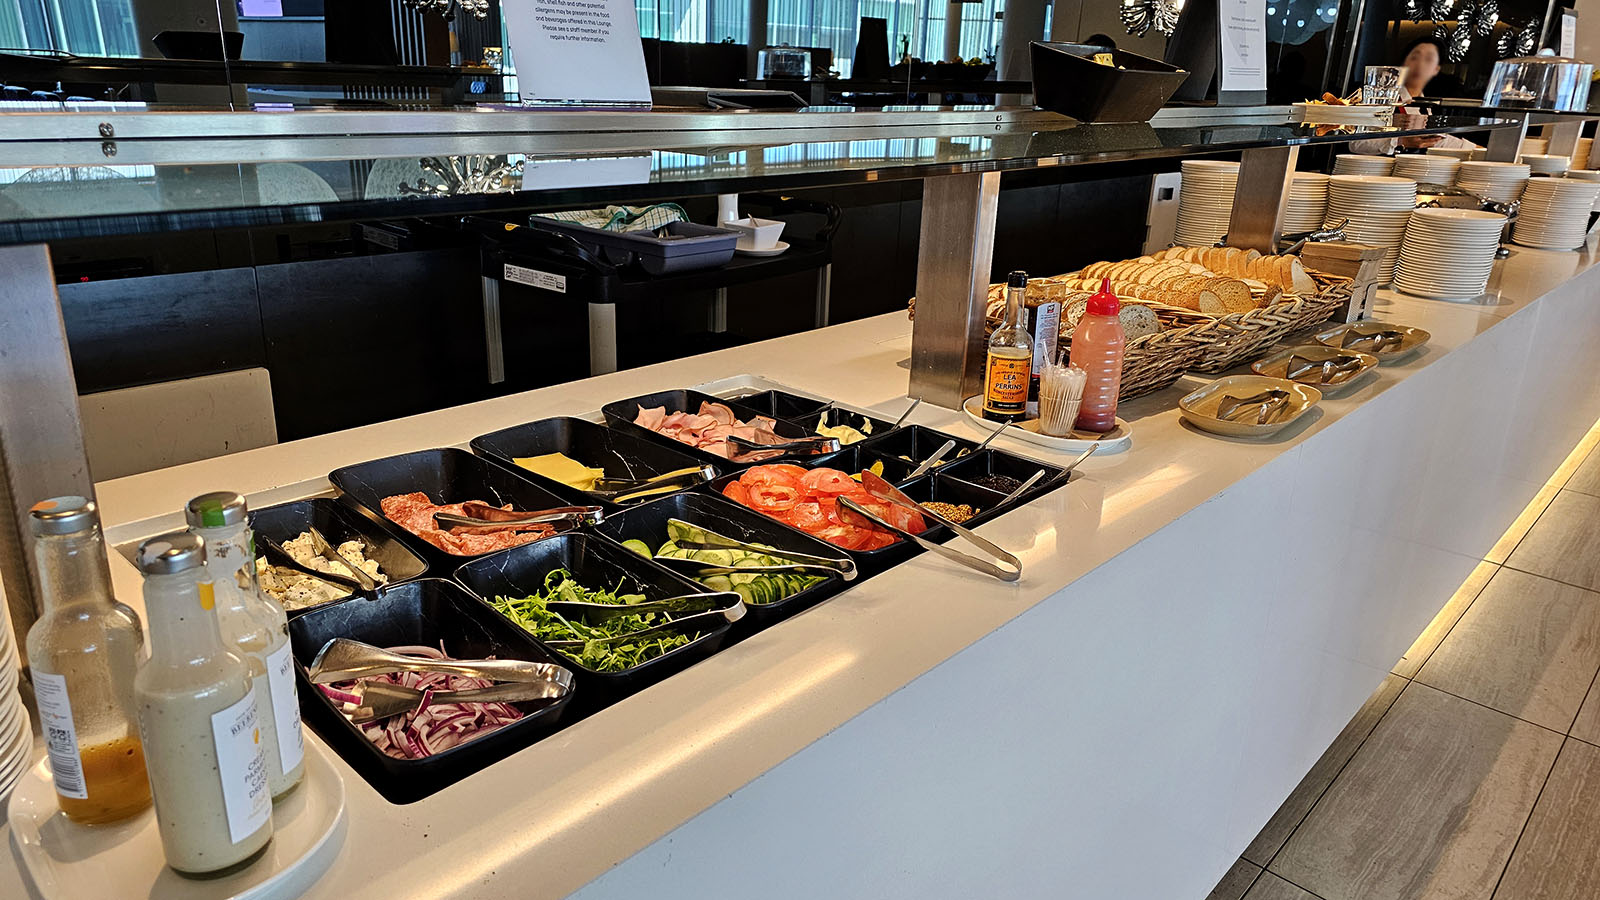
(1209, 407)
(1374, 338)
(1328, 369)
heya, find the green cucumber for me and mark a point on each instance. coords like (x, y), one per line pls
(639, 547)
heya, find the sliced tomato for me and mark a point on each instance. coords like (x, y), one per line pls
(878, 540)
(737, 492)
(790, 470)
(774, 497)
(829, 481)
(844, 536)
(807, 516)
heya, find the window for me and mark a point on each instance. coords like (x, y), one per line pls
(84, 27)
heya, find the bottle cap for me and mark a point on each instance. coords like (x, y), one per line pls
(62, 515)
(172, 553)
(1104, 303)
(216, 509)
(1017, 279)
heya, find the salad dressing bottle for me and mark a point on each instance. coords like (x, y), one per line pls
(255, 627)
(198, 717)
(83, 651)
(1009, 365)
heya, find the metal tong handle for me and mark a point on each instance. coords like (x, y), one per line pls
(1231, 406)
(342, 659)
(907, 414)
(971, 562)
(604, 612)
(577, 515)
(278, 556)
(1379, 339)
(328, 551)
(713, 541)
(613, 487)
(686, 624)
(813, 446)
(1032, 480)
(697, 569)
(938, 455)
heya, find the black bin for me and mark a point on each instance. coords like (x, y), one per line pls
(1067, 80)
(339, 523)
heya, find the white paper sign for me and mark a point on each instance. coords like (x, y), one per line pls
(1569, 35)
(1242, 62)
(577, 52)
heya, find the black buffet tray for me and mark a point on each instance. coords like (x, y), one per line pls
(999, 462)
(649, 524)
(780, 404)
(446, 475)
(423, 612)
(595, 561)
(621, 413)
(339, 523)
(622, 453)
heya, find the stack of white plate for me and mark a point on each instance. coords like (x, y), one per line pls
(1545, 164)
(1580, 158)
(1448, 253)
(1461, 153)
(16, 736)
(1586, 175)
(1425, 169)
(1500, 181)
(1361, 164)
(1307, 205)
(1555, 213)
(1378, 207)
(1534, 145)
(1205, 201)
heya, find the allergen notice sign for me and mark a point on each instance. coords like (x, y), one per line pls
(577, 52)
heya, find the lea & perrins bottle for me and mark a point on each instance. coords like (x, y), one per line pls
(1008, 368)
(84, 650)
(1097, 348)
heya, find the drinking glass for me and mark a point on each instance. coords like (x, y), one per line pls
(1382, 85)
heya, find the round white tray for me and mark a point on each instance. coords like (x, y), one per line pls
(1114, 441)
(68, 861)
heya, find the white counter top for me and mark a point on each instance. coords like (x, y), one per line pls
(553, 817)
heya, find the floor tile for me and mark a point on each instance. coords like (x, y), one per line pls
(1587, 726)
(1236, 882)
(1519, 527)
(1429, 808)
(1558, 857)
(1429, 641)
(1565, 543)
(1271, 887)
(1293, 811)
(1528, 646)
(1586, 480)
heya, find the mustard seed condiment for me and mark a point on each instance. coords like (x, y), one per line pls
(954, 512)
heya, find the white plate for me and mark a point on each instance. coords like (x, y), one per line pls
(68, 861)
(1116, 440)
(770, 251)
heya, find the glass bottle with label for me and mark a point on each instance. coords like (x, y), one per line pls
(83, 652)
(1009, 365)
(255, 626)
(204, 740)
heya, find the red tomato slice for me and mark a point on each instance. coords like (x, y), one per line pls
(808, 517)
(774, 497)
(844, 537)
(829, 481)
(737, 492)
(789, 470)
(879, 540)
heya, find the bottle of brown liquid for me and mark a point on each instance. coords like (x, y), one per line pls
(83, 652)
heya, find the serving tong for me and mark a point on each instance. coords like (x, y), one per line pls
(888, 493)
(616, 488)
(803, 446)
(1267, 405)
(1380, 340)
(482, 516)
(278, 556)
(719, 601)
(687, 624)
(1327, 371)
(343, 659)
(382, 701)
(805, 563)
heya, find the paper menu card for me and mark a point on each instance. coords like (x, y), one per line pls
(1242, 62)
(577, 52)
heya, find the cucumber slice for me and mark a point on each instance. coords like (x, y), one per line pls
(717, 583)
(639, 547)
(747, 593)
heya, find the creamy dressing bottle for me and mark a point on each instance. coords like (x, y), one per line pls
(203, 739)
(253, 625)
(83, 651)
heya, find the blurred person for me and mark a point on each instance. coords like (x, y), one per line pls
(1421, 62)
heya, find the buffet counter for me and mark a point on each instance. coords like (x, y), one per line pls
(1198, 617)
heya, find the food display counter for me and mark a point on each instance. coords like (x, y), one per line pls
(1197, 618)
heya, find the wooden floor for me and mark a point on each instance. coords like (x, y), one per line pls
(1473, 772)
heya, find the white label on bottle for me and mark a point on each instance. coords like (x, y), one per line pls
(285, 707)
(548, 281)
(242, 764)
(55, 717)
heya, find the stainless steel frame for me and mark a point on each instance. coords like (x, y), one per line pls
(1257, 217)
(954, 255)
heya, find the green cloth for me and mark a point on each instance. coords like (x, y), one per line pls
(622, 218)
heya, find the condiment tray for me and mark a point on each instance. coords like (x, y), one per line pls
(1411, 339)
(1200, 407)
(1277, 365)
(67, 861)
(1116, 440)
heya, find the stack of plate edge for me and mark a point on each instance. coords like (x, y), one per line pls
(1499, 186)
(1545, 164)
(1435, 171)
(1370, 225)
(1549, 219)
(1306, 207)
(1360, 164)
(1206, 206)
(1459, 272)
(16, 735)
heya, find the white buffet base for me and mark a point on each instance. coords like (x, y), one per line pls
(1199, 617)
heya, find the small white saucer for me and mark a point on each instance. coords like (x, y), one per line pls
(771, 251)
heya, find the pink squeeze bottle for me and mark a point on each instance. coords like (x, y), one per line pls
(1097, 345)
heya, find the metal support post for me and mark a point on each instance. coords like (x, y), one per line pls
(493, 339)
(1563, 137)
(602, 338)
(41, 437)
(954, 254)
(1264, 177)
(717, 317)
(824, 295)
(1505, 143)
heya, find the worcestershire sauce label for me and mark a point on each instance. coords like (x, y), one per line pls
(1006, 385)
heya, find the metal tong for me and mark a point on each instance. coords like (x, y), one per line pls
(804, 446)
(1327, 371)
(1266, 405)
(382, 701)
(278, 556)
(888, 493)
(329, 552)
(805, 563)
(1381, 340)
(620, 488)
(1321, 235)
(605, 612)
(342, 659)
(481, 516)
(686, 625)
